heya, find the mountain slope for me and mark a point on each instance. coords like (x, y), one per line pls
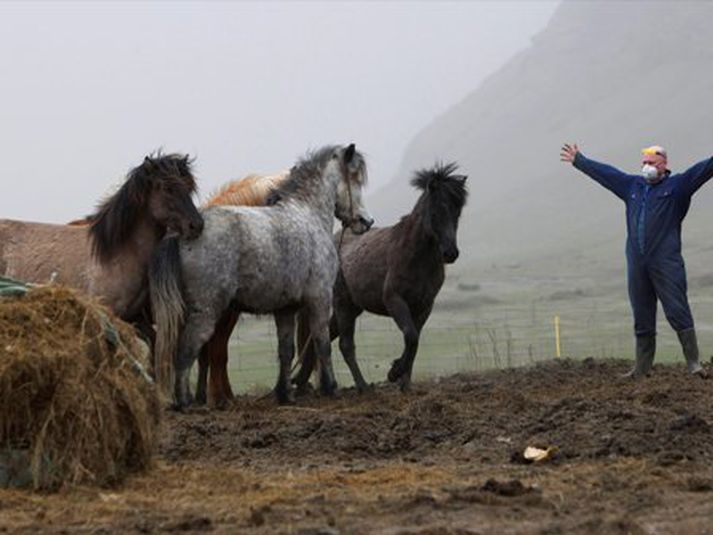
(601, 74)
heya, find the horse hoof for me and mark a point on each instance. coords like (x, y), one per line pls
(286, 402)
(178, 407)
(329, 390)
(405, 384)
(220, 404)
(701, 373)
(395, 372)
(284, 396)
(365, 388)
(304, 390)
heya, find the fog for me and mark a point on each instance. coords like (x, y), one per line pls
(89, 89)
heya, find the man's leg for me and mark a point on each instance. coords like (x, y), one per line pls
(669, 278)
(643, 304)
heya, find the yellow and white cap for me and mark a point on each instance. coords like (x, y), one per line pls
(654, 150)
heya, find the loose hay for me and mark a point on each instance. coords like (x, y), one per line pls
(74, 397)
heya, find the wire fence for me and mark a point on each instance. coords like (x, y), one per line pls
(461, 339)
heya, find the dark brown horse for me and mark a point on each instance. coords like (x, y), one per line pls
(395, 271)
(108, 256)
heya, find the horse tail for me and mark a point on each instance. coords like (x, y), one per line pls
(304, 336)
(305, 351)
(167, 305)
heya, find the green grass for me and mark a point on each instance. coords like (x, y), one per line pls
(516, 330)
(501, 315)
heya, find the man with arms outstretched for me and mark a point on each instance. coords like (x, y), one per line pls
(656, 204)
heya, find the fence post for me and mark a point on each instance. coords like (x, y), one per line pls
(557, 337)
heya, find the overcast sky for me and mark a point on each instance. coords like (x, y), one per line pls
(87, 89)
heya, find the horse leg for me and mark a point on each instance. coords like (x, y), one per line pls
(196, 332)
(306, 351)
(319, 319)
(419, 322)
(346, 320)
(401, 368)
(203, 366)
(285, 323)
(220, 391)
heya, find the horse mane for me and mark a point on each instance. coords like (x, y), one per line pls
(117, 216)
(309, 167)
(252, 190)
(441, 178)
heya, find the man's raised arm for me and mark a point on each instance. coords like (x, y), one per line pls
(610, 177)
(694, 177)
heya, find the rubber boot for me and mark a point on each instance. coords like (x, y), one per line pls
(689, 344)
(645, 351)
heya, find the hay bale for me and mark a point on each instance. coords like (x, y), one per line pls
(75, 400)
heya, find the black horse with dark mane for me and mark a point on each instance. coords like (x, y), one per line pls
(395, 271)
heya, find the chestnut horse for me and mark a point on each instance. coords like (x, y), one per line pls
(108, 256)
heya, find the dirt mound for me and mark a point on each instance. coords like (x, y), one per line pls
(77, 405)
(632, 457)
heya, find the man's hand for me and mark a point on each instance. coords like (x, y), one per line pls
(568, 152)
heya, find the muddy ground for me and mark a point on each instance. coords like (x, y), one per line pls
(446, 458)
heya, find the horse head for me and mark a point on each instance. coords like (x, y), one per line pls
(444, 194)
(170, 201)
(350, 208)
(160, 191)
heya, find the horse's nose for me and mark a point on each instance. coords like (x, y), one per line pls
(366, 221)
(451, 255)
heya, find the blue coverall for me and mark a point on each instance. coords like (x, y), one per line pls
(653, 246)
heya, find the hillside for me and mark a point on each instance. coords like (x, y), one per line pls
(600, 74)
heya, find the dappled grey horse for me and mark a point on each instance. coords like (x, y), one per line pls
(273, 259)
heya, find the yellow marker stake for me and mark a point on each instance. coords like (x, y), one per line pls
(557, 336)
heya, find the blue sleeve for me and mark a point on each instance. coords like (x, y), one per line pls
(610, 177)
(696, 176)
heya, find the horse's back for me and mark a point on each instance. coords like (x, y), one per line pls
(42, 252)
(260, 255)
(252, 190)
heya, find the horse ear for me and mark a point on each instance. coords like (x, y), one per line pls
(349, 153)
(186, 164)
(463, 178)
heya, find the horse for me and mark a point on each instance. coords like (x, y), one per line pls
(394, 271)
(272, 259)
(252, 190)
(108, 255)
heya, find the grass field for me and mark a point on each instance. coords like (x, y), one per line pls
(504, 320)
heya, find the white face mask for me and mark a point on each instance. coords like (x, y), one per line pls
(650, 173)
